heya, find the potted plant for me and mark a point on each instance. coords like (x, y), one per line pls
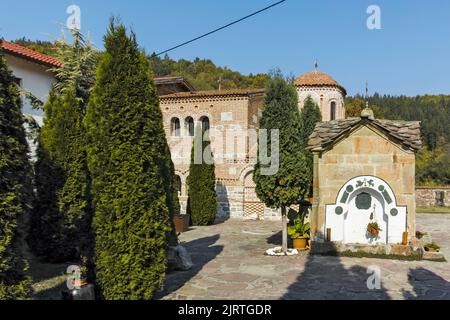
(373, 229)
(300, 233)
(432, 247)
(82, 280)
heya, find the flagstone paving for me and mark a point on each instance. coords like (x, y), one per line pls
(230, 264)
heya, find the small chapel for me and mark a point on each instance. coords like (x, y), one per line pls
(364, 179)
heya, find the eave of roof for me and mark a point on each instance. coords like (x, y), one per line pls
(174, 80)
(323, 85)
(213, 93)
(327, 134)
(30, 55)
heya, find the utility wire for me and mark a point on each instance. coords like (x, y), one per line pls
(221, 28)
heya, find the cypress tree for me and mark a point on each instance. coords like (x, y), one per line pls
(131, 171)
(15, 189)
(202, 200)
(60, 225)
(309, 116)
(62, 216)
(290, 184)
(74, 196)
(46, 220)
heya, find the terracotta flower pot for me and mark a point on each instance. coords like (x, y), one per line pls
(79, 283)
(300, 243)
(181, 223)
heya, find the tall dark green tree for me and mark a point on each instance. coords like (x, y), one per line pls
(202, 204)
(74, 196)
(46, 220)
(15, 188)
(309, 117)
(131, 170)
(60, 226)
(290, 183)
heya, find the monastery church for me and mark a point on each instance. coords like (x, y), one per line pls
(236, 110)
(183, 107)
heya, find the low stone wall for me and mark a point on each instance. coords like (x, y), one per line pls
(430, 196)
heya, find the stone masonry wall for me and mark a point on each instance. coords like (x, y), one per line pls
(365, 152)
(427, 197)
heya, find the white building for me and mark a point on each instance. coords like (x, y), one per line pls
(32, 71)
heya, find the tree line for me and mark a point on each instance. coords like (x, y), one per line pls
(433, 111)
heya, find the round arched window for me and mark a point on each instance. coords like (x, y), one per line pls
(333, 111)
(189, 123)
(175, 128)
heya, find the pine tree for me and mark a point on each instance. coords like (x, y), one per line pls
(15, 189)
(202, 204)
(79, 60)
(290, 184)
(131, 172)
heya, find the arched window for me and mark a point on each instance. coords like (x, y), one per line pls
(178, 184)
(205, 123)
(175, 127)
(190, 126)
(333, 111)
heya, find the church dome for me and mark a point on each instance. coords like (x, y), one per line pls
(317, 79)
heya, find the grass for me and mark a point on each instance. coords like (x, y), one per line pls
(433, 210)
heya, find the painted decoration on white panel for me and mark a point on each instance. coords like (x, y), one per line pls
(366, 212)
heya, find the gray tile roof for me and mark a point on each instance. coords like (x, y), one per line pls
(326, 134)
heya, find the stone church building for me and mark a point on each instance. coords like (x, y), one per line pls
(237, 112)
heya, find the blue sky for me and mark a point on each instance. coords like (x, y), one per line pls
(409, 55)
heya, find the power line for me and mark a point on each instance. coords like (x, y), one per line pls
(221, 28)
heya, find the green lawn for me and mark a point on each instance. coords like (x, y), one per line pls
(438, 210)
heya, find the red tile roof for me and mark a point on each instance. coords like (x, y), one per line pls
(15, 49)
(317, 79)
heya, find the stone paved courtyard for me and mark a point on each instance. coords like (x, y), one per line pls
(229, 264)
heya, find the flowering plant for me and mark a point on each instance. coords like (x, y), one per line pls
(373, 229)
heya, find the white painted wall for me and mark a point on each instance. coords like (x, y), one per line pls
(349, 224)
(34, 78)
